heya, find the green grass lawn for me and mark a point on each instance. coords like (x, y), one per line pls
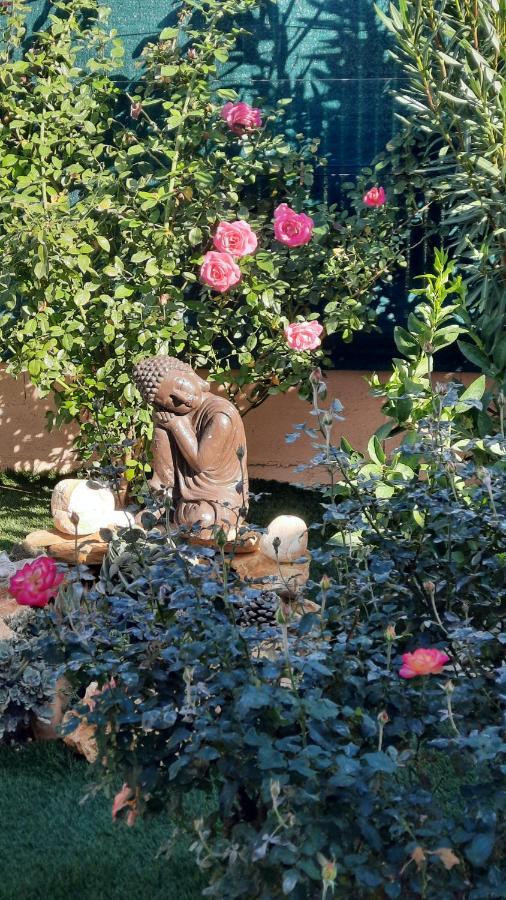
(24, 506)
(52, 846)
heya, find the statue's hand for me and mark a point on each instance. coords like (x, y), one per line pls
(163, 418)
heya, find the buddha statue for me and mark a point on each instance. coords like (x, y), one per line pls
(199, 447)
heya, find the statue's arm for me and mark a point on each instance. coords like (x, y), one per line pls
(163, 463)
(208, 452)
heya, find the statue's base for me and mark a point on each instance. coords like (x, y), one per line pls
(89, 549)
(260, 570)
(243, 544)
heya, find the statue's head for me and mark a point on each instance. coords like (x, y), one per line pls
(169, 384)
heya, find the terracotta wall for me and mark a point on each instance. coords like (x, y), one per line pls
(26, 445)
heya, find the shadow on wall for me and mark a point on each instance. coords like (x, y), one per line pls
(25, 445)
(330, 57)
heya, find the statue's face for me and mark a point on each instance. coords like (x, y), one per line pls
(180, 393)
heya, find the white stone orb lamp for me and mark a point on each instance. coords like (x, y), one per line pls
(291, 533)
(83, 507)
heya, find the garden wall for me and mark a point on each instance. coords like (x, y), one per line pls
(26, 445)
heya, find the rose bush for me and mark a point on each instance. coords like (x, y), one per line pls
(332, 765)
(101, 261)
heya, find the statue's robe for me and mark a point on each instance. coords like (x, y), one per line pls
(223, 485)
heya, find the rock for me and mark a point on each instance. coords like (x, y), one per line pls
(9, 609)
(82, 506)
(83, 739)
(292, 535)
(285, 578)
(91, 548)
(49, 730)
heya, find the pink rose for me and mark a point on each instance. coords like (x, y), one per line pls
(241, 117)
(303, 335)
(375, 197)
(236, 238)
(36, 583)
(292, 228)
(220, 271)
(125, 798)
(423, 661)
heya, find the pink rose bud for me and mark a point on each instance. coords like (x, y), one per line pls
(292, 228)
(235, 238)
(241, 117)
(36, 583)
(423, 661)
(303, 335)
(135, 110)
(375, 197)
(220, 271)
(192, 53)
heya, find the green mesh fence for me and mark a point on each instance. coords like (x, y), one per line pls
(330, 57)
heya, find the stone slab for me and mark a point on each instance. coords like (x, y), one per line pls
(91, 548)
(260, 570)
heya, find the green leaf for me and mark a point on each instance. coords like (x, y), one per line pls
(405, 342)
(103, 242)
(168, 34)
(474, 392)
(375, 451)
(195, 236)
(34, 367)
(151, 267)
(476, 356)
(480, 848)
(83, 262)
(221, 55)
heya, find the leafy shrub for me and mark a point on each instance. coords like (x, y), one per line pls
(27, 680)
(452, 106)
(330, 771)
(117, 199)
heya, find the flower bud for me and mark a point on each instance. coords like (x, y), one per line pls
(448, 687)
(164, 299)
(325, 583)
(135, 110)
(240, 452)
(275, 792)
(390, 634)
(220, 538)
(383, 717)
(429, 587)
(316, 376)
